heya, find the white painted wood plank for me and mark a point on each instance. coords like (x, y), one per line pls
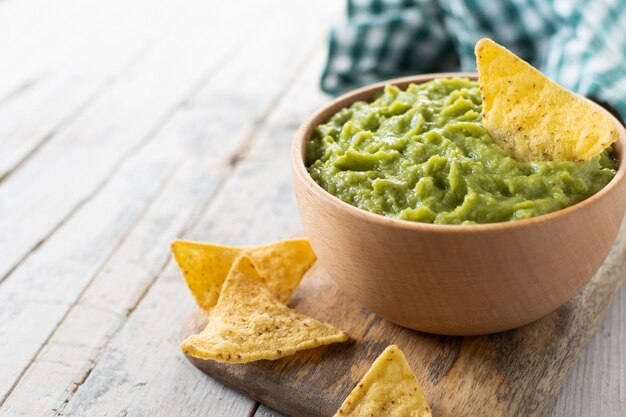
(142, 373)
(597, 385)
(103, 307)
(264, 179)
(54, 276)
(61, 361)
(41, 39)
(67, 171)
(55, 56)
(122, 282)
(256, 205)
(34, 116)
(66, 65)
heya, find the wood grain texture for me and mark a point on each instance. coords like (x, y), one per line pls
(510, 374)
(85, 329)
(597, 385)
(172, 178)
(210, 137)
(64, 264)
(36, 199)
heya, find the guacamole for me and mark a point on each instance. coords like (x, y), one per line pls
(423, 155)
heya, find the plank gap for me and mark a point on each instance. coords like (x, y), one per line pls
(20, 89)
(120, 162)
(252, 412)
(108, 348)
(67, 312)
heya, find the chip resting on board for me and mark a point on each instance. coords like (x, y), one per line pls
(205, 266)
(534, 118)
(388, 389)
(249, 323)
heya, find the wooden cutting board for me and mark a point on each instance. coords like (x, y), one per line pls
(514, 373)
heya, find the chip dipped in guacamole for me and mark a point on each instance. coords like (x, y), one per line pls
(423, 155)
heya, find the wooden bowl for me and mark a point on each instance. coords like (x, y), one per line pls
(451, 279)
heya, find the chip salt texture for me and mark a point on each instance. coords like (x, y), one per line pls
(205, 266)
(534, 118)
(249, 323)
(388, 389)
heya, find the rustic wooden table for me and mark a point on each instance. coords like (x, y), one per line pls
(125, 124)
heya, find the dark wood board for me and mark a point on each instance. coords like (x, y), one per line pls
(509, 374)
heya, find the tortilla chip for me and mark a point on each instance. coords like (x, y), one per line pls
(388, 389)
(249, 323)
(205, 266)
(534, 118)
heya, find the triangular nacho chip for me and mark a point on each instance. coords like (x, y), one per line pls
(248, 323)
(388, 389)
(534, 118)
(205, 266)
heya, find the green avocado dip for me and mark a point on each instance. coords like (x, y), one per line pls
(423, 155)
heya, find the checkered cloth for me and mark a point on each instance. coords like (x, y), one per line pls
(581, 44)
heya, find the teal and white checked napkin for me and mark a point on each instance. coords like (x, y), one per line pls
(581, 44)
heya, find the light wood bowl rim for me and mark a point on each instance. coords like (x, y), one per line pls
(302, 136)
